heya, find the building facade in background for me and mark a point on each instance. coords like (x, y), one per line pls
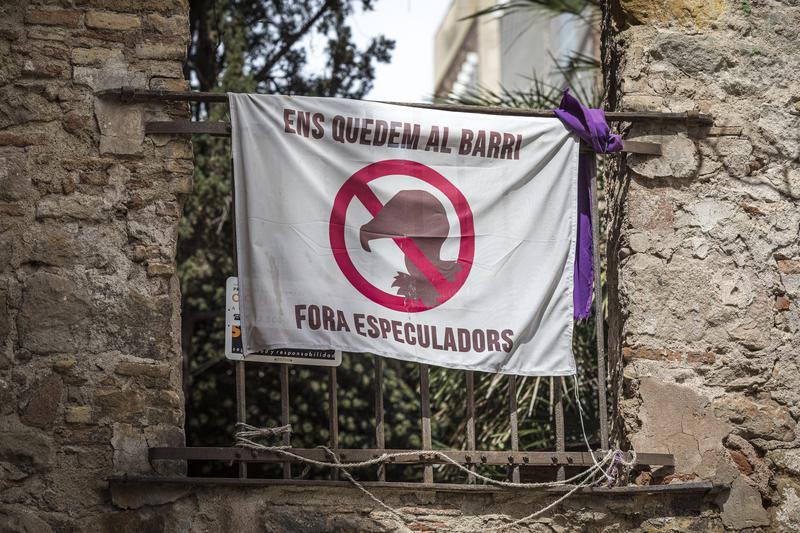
(507, 50)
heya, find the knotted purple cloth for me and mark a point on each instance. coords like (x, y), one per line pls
(591, 126)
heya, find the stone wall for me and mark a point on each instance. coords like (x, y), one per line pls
(704, 274)
(89, 306)
(704, 257)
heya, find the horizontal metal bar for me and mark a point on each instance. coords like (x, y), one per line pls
(639, 147)
(223, 129)
(128, 94)
(700, 487)
(614, 116)
(466, 457)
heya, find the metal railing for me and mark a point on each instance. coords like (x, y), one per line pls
(513, 459)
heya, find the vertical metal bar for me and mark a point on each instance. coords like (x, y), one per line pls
(512, 404)
(284, 369)
(241, 406)
(241, 401)
(425, 404)
(470, 377)
(560, 439)
(380, 436)
(333, 415)
(598, 310)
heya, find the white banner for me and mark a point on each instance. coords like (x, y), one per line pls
(424, 235)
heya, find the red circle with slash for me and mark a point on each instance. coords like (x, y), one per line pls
(356, 187)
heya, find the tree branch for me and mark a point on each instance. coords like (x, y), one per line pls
(291, 41)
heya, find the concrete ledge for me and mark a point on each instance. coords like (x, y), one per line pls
(701, 487)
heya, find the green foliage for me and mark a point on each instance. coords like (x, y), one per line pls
(585, 9)
(262, 46)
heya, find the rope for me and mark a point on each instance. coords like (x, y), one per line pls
(612, 459)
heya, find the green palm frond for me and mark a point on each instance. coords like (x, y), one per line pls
(552, 8)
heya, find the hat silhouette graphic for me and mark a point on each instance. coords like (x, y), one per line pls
(421, 217)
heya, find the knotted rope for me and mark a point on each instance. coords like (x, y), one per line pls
(613, 459)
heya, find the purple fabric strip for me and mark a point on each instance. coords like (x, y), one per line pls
(591, 126)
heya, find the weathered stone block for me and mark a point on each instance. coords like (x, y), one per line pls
(120, 405)
(167, 25)
(650, 209)
(81, 414)
(182, 185)
(169, 84)
(22, 139)
(94, 56)
(69, 18)
(113, 74)
(136, 497)
(54, 312)
(22, 521)
(686, 12)
(19, 108)
(43, 404)
(789, 266)
(64, 366)
(32, 451)
(698, 54)
(130, 450)
(49, 244)
(105, 20)
(179, 166)
(160, 269)
(121, 128)
(140, 252)
(786, 460)
(42, 68)
(150, 369)
(5, 319)
(786, 513)
(757, 419)
(141, 325)
(679, 158)
(160, 51)
(742, 508)
(675, 419)
(15, 181)
(74, 207)
(640, 102)
(736, 154)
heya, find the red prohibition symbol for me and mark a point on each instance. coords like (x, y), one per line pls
(417, 223)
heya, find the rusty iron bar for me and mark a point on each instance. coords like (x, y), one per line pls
(599, 315)
(128, 94)
(425, 407)
(680, 489)
(512, 406)
(560, 439)
(241, 406)
(471, 445)
(239, 369)
(333, 414)
(223, 129)
(287, 438)
(380, 434)
(465, 457)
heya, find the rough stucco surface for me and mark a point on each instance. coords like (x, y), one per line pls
(704, 256)
(89, 338)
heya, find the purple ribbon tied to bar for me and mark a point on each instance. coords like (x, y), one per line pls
(591, 126)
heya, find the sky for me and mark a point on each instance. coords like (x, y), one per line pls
(412, 24)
